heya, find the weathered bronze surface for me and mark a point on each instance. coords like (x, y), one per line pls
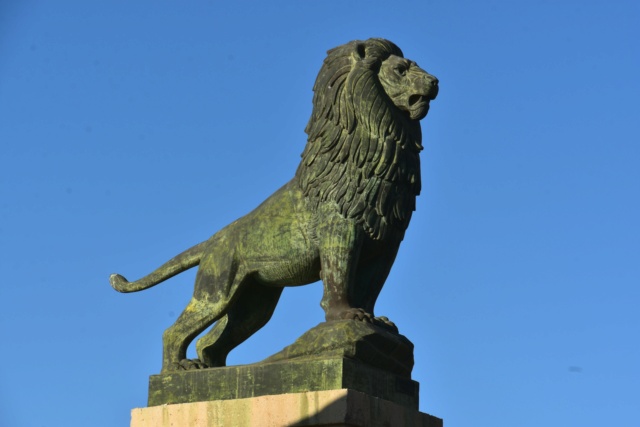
(361, 341)
(290, 376)
(340, 219)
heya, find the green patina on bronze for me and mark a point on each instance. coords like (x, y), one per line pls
(364, 342)
(340, 219)
(291, 376)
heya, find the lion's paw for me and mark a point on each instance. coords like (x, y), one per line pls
(385, 323)
(356, 314)
(191, 364)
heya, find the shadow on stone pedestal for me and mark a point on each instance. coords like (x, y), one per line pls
(335, 408)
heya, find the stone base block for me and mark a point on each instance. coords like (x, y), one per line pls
(277, 378)
(333, 408)
(369, 344)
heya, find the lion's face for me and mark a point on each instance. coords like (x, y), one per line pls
(409, 87)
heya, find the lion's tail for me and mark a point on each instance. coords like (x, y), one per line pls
(186, 260)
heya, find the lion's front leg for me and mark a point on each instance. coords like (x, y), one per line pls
(376, 260)
(340, 244)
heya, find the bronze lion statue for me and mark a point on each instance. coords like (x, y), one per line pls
(340, 219)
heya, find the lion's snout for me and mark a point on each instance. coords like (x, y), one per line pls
(433, 88)
(425, 85)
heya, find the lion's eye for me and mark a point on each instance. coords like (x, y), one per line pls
(401, 70)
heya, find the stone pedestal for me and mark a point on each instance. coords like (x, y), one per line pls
(341, 373)
(332, 408)
(291, 376)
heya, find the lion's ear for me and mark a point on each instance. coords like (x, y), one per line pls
(360, 51)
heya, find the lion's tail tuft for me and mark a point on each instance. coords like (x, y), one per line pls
(119, 283)
(186, 260)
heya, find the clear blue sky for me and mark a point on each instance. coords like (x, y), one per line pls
(131, 130)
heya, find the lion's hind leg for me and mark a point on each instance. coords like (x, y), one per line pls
(251, 310)
(195, 318)
(217, 282)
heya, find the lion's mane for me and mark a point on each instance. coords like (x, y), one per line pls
(362, 151)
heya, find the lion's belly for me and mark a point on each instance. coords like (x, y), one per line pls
(295, 271)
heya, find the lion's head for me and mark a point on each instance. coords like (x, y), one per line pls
(364, 135)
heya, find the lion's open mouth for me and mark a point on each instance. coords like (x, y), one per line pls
(417, 99)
